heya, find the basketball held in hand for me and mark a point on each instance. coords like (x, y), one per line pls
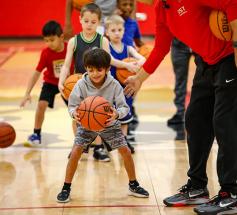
(78, 4)
(145, 50)
(93, 113)
(219, 25)
(69, 84)
(7, 135)
(122, 74)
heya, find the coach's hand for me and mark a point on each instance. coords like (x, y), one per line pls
(134, 83)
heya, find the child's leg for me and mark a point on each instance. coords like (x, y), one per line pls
(128, 162)
(73, 162)
(124, 129)
(134, 188)
(100, 153)
(39, 114)
(64, 195)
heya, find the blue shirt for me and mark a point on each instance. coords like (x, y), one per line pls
(119, 56)
(131, 32)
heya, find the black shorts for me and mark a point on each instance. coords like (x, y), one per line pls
(48, 93)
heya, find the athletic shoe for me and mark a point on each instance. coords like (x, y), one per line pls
(176, 119)
(137, 191)
(63, 196)
(187, 196)
(101, 155)
(223, 203)
(34, 139)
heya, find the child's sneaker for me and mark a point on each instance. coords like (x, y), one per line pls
(63, 196)
(137, 191)
(101, 155)
(34, 139)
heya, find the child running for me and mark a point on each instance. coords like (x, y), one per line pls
(50, 63)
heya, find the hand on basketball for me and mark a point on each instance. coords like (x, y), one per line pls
(132, 66)
(112, 116)
(133, 84)
(76, 115)
(27, 98)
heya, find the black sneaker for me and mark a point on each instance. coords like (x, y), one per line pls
(138, 191)
(101, 155)
(176, 119)
(223, 203)
(63, 196)
(187, 196)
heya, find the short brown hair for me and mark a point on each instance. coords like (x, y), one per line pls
(97, 58)
(114, 19)
(93, 8)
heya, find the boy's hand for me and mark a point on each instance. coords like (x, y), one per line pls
(132, 66)
(76, 115)
(112, 116)
(60, 87)
(27, 98)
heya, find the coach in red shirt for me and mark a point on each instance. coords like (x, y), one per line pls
(212, 112)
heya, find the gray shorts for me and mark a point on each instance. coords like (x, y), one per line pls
(112, 137)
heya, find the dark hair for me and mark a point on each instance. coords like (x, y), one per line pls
(97, 58)
(52, 28)
(93, 8)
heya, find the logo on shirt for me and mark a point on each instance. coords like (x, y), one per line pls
(57, 65)
(181, 11)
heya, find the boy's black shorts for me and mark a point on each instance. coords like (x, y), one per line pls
(48, 93)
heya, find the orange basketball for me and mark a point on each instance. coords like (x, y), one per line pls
(69, 84)
(93, 113)
(7, 135)
(122, 74)
(145, 50)
(219, 25)
(78, 4)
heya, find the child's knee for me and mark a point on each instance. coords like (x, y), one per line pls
(124, 151)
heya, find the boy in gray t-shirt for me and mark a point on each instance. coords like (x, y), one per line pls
(98, 82)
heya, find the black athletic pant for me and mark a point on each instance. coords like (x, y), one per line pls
(180, 57)
(212, 113)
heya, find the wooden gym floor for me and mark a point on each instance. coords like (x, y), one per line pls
(30, 178)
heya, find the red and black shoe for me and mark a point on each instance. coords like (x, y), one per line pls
(187, 196)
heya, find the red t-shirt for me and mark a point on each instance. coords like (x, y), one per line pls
(189, 22)
(50, 64)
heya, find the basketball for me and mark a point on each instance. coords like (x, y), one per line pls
(219, 25)
(93, 113)
(7, 135)
(145, 50)
(69, 84)
(78, 4)
(122, 74)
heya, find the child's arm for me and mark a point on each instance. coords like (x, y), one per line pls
(133, 52)
(120, 102)
(65, 71)
(74, 101)
(68, 31)
(138, 42)
(131, 66)
(31, 84)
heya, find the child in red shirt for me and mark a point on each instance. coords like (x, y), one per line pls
(50, 63)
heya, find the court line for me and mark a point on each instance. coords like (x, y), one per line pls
(79, 206)
(10, 54)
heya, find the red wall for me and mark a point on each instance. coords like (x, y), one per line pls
(25, 18)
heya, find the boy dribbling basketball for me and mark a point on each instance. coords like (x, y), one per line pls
(98, 82)
(50, 63)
